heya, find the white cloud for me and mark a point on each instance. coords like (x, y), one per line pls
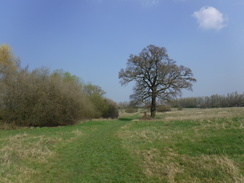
(210, 18)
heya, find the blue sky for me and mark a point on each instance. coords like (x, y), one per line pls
(94, 38)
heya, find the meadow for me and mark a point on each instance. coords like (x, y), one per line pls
(192, 145)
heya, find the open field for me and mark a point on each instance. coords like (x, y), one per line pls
(193, 145)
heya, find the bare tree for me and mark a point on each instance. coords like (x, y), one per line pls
(155, 76)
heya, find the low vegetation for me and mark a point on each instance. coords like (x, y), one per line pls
(163, 108)
(192, 145)
(230, 100)
(44, 98)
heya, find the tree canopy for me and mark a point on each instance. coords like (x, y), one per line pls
(8, 62)
(156, 76)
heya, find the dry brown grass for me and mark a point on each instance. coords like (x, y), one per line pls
(19, 146)
(6, 126)
(20, 149)
(202, 114)
(156, 165)
(22, 152)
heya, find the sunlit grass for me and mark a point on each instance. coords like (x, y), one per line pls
(192, 145)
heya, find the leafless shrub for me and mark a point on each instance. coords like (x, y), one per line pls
(41, 99)
(131, 110)
(163, 108)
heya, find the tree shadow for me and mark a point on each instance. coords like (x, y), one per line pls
(125, 119)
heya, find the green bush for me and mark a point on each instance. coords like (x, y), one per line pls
(104, 108)
(180, 108)
(163, 108)
(111, 109)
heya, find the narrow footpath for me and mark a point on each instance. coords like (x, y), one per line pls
(95, 157)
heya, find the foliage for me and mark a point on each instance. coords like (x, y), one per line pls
(230, 100)
(123, 105)
(105, 108)
(38, 99)
(8, 67)
(163, 108)
(156, 76)
(42, 98)
(8, 62)
(110, 110)
(131, 110)
(95, 95)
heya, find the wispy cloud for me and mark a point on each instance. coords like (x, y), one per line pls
(210, 18)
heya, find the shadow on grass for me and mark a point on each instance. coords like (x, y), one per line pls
(125, 119)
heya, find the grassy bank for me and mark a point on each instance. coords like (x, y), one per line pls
(179, 146)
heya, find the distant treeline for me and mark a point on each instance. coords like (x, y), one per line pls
(230, 100)
(44, 98)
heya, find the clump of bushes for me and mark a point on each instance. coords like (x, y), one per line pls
(38, 98)
(104, 107)
(163, 108)
(180, 108)
(42, 98)
(110, 110)
(131, 110)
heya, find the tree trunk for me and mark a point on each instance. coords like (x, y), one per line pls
(153, 105)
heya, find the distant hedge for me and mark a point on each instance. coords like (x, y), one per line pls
(163, 108)
(233, 99)
(131, 110)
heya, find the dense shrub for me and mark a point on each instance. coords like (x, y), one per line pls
(110, 110)
(163, 108)
(104, 108)
(230, 100)
(179, 108)
(95, 95)
(131, 110)
(38, 99)
(41, 98)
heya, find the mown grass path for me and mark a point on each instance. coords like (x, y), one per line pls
(97, 156)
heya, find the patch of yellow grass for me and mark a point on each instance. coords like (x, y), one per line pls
(166, 167)
(18, 146)
(19, 149)
(158, 166)
(199, 114)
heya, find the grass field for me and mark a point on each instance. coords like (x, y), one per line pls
(193, 145)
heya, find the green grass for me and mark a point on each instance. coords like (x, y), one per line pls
(179, 146)
(97, 157)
